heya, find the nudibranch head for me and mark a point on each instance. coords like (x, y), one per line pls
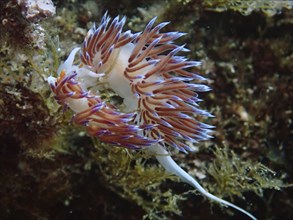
(160, 100)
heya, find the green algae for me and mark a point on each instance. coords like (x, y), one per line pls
(44, 155)
(133, 176)
(269, 8)
(234, 176)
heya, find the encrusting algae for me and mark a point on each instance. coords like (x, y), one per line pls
(42, 154)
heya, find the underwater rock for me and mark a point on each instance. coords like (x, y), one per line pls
(34, 10)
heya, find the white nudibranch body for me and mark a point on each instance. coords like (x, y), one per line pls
(160, 101)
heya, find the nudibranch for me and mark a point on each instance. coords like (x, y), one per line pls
(160, 101)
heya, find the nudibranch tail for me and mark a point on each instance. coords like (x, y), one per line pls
(171, 166)
(159, 90)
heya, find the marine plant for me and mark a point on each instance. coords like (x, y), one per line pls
(269, 8)
(156, 108)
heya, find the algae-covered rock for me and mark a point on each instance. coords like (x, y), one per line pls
(51, 169)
